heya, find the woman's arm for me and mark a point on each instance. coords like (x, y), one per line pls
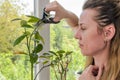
(72, 19)
(62, 13)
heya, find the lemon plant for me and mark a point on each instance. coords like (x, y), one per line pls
(58, 60)
(34, 41)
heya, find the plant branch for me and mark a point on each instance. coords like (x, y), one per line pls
(31, 38)
(27, 42)
(41, 70)
(55, 73)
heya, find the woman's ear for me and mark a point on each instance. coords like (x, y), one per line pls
(109, 32)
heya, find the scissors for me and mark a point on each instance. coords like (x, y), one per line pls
(47, 18)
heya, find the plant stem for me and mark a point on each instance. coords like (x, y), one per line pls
(29, 43)
(28, 47)
(55, 73)
(29, 50)
(27, 40)
(65, 74)
(31, 71)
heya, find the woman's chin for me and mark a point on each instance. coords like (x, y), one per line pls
(86, 54)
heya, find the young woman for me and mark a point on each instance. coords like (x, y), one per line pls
(98, 34)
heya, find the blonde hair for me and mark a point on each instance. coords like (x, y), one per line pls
(109, 13)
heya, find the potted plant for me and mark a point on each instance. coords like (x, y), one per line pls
(58, 60)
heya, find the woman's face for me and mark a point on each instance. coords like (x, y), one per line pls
(91, 41)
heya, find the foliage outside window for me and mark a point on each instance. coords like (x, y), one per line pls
(15, 65)
(62, 38)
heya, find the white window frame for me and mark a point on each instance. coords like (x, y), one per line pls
(45, 32)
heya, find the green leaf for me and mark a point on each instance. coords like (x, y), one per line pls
(45, 62)
(42, 56)
(53, 53)
(37, 62)
(19, 39)
(57, 59)
(60, 55)
(61, 51)
(33, 19)
(46, 54)
(46, 57)
(20, 52)
(16, 19)
(39, 37)
(23, 22)
(54, 62)
(26, 26)
(27, 33)
(33, 58)
(38, 48)
(68, 53)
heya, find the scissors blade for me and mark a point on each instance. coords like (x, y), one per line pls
(39, 23)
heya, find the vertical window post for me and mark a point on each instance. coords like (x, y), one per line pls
(45, 32)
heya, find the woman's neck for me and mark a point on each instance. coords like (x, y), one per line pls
(101, 59)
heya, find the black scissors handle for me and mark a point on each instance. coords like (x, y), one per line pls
(47, 18)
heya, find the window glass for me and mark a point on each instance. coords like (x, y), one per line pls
(14, 65)
(61, 38)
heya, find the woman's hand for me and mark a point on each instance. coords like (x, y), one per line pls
(91, 73)
(60, 12)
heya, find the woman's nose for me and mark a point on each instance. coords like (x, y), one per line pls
(78, 34)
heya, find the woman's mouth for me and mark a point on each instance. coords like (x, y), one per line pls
(80, 45)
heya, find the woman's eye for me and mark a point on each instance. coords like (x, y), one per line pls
(83, 28)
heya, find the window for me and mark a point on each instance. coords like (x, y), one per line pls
(61, 38)
(13, 64)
